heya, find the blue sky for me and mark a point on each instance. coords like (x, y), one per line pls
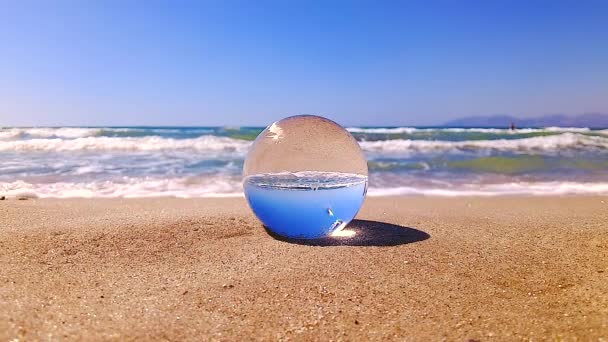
(252, 62)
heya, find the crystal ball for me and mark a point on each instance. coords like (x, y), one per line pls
(305, 177)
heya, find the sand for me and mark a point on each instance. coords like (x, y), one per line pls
(204, 269)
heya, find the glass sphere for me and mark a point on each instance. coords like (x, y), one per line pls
(305, 177)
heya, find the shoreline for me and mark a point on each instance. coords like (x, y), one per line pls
(29, 196)
(512, 267)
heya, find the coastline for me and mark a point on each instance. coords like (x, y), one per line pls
(441, 268)
(194, 162)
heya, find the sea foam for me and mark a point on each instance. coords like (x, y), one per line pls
(128, 187)
(150, 143)
(410, 130)
(47, 132)
(542, 144)
(188, 187)
(539, 144)
(206, 161)
(514, 188)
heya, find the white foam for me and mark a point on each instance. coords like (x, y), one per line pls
(152, 143)
(225, 144)
(221, 186)
(9, 133)
(568, 129)
(540, 144)
(410, 130)
(396, 130)
(185, 187)
(516, 188)
(18, 133)
(47, 132)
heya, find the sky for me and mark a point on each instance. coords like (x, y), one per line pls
(374, 63)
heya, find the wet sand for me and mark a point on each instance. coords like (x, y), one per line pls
(419, 268)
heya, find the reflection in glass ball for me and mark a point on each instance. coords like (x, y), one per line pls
(305, 177)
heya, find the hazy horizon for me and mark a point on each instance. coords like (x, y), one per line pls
(503, 124)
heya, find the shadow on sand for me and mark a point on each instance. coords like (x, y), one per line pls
(368, 233)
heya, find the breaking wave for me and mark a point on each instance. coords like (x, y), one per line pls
(207, 161)
(133, 187)
(47, 132)
(515, 188)
(410, 130)
(551, 143)
(540, 144)
(221, 186)
(151, 143)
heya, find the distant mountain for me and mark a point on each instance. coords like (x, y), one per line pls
(591, 120)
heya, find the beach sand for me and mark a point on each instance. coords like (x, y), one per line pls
(191, 269)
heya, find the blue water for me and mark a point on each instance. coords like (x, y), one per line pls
(208, 161)
(305, 205)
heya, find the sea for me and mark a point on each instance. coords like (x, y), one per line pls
(108, 162)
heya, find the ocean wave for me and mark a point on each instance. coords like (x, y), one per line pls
(221, 186)
(539, 144)
(150, 143)
(47, 132)
(411, 130)
(26, 133)
(186, 187)
(394, 130)
(21, 133)
(533, 144)
(510, 189)
(519, 130)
